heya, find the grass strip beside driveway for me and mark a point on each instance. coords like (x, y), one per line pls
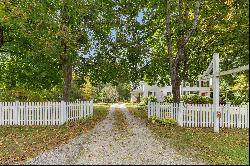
(229, 147)
(120, 122)
(19, 143)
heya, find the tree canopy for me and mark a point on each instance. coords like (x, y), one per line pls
(42, 43)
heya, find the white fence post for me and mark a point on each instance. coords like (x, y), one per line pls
(149, 109)
(180, 114)
(227, 116)
(82, 109)
(158, 110)
(91, 107)
(15, 116)
(63, 112)
(85, 109)
(87, 106)
(247, 117)
(216, 70)
(1, 115)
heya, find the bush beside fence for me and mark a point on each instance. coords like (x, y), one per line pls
(201, 115)
(43, 113)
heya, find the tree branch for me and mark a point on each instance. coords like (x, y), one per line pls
(4, 51)
(185, 65)
(10, 51)
(179, 42)
(180, 8)
(195, 22)
(168, 34)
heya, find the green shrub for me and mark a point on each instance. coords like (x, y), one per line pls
(196, 99)
(168, 121)
(149, 98)
(191, 99)
(142, 106)
(168, 99)
(153, 119)
(165, 121)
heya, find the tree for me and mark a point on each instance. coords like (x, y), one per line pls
(43, 42)
(110, 93)
(181, 42)
(60, 30)
(187, 33)
(123, 91)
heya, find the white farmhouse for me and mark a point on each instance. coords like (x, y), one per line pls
(202, 88)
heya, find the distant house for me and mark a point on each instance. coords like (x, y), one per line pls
(202, 88)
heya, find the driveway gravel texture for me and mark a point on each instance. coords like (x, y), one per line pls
(106, 146)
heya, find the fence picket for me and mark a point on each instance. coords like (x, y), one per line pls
(76, 105)
(26, 109)
(19, 113)
(74, 110)
(6, 114)
(247, 116)
(193, 116)
(36, 113)
(202, 115)
(1, 115)
(188, 117)
(184, 116)
(58, 112)
(162, 110)
(231, 116)
(9, 113)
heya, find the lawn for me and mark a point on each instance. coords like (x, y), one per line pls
(229, 147)
(19, 143)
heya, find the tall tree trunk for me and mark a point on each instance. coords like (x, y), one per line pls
(67, 76)
(176, 91)
(67, 71)
(176, 88)
(175, 62)
(65, 57)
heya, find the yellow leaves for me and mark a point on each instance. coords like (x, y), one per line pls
(229, 2)
(87, 89)
(17, 12)
(230, 13)
(5, 18)
(241, 84)
(15, 141)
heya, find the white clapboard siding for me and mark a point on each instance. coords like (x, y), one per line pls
(43, 113)
(202, 115)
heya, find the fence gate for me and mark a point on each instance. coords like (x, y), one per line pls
(214, 66)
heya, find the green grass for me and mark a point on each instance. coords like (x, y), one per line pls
(102, 104)
(131, 104)
(19, 143)
(229, 147)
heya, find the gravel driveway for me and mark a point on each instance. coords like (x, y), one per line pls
(104, 145)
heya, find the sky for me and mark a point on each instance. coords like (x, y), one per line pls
(139, 19)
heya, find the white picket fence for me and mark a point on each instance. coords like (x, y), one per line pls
(43, 113)
(201, 115)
